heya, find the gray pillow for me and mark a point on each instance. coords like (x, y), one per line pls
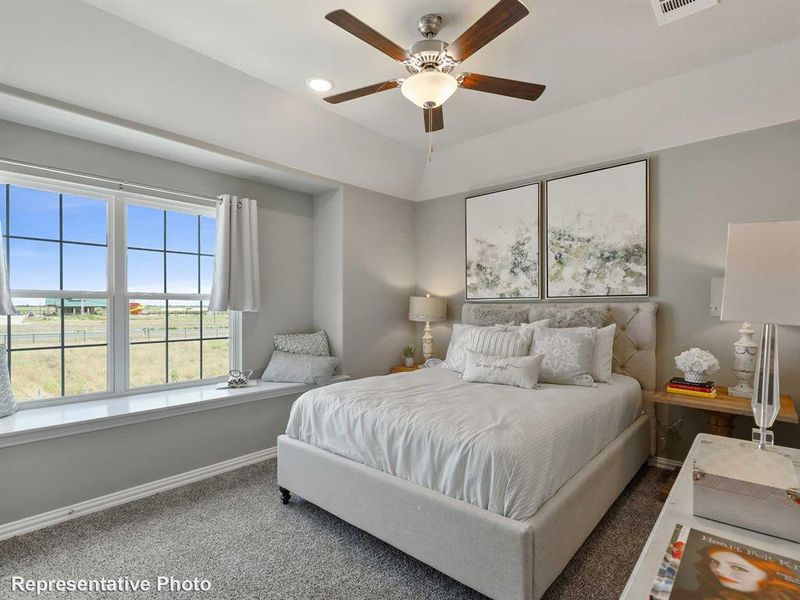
(597, 316)
(493, 314)
(568, 355)
(457, 350)
(519, 371)
(299, 368)
(315, 344)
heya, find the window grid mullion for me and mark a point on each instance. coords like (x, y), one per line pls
(7, 242)
(61, 287)
(166, 305)
(198, 291)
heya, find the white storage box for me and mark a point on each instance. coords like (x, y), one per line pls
(738, 484)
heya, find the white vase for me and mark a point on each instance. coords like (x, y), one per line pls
(409, 361)
(695, 376)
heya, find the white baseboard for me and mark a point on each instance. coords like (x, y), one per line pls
(28, 524)
(664, 463)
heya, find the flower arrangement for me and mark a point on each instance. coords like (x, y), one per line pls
(696, 364)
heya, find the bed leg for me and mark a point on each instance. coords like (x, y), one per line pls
(285, 494)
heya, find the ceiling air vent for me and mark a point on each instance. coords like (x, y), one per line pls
(668, 11)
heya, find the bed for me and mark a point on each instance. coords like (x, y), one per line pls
(492, 485)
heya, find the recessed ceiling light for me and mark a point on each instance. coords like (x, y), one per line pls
(319, 84)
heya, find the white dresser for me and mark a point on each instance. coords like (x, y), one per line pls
(678, 509)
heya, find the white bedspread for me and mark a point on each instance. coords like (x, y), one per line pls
(501, 448)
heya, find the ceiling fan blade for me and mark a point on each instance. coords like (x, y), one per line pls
(499, 18)
(503, 87)
(364, 32)
(434, 119)
(364, 91)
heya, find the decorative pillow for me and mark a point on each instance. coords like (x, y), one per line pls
(519, 371)
(568, 355)
(499, 341)
(597, 315)
(457, 350)
(299, 368)
(603, 353)
(314, 344)
(7, 404)
(493, 314)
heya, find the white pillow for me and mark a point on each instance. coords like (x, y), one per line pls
(500, 341)
(603, 353)
(568, 354)
(519, 371)
(457, 350)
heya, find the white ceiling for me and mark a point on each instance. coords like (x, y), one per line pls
(582, 50)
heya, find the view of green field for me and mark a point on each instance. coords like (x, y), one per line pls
(36, 365)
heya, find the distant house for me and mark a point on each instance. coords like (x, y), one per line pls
(79, 306)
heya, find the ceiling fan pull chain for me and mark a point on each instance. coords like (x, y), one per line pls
(430, 133)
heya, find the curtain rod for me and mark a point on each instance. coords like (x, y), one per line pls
(120, 183)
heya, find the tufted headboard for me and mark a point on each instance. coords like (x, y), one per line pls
(634, 341)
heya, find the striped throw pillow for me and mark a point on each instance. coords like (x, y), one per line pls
(500, 342)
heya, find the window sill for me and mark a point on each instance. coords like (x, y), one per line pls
(36, 424)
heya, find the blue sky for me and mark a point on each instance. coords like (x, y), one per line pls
(34, 264)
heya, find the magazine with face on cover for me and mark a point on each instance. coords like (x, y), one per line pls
(701, 566)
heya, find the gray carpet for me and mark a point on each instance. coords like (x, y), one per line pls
(233, 531)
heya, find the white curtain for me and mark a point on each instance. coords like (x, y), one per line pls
(236, 284)
(6, 306)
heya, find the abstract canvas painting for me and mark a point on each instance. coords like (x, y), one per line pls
(503, 244)
(596, 233)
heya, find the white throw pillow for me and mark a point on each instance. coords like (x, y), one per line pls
(568, 355)
(457, 350)
(519, 371)
(603, 353)
(500, 341)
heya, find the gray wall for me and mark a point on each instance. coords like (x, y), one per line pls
(285, 221)
(696, 190)
(379, 277)
(329, 268)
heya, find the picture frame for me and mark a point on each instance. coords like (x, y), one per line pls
(502, 244)
(596, 233)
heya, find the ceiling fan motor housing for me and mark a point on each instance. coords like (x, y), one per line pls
(429, 54)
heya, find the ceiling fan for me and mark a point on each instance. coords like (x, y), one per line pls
(431, 61)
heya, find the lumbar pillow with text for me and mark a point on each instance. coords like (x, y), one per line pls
(603, 353)
(568, 354)
(519, 371)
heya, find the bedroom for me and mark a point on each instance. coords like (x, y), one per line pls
(179, 202)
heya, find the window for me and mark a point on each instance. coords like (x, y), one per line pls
(111, 292)
(173, 336)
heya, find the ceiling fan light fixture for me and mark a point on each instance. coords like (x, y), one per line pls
(319, 84)
(429, 89)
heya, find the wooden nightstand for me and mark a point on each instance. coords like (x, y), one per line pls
(721, 411)
(405, 369)
(723, 408)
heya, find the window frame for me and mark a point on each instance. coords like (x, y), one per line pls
(116, 294)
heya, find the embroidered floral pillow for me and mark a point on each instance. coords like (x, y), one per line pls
(568, 355)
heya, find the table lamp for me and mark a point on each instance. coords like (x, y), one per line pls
(762, 284)
(425, 309)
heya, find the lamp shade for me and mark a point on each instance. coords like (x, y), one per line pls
(426, 309)
(429, 89)
(762, 273)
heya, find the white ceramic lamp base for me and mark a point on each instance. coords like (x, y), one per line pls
(427, 342)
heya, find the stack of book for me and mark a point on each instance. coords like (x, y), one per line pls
(678, 385)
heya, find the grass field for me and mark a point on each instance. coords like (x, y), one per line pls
(36, 369)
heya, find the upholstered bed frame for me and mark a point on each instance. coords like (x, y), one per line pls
(503, 558)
